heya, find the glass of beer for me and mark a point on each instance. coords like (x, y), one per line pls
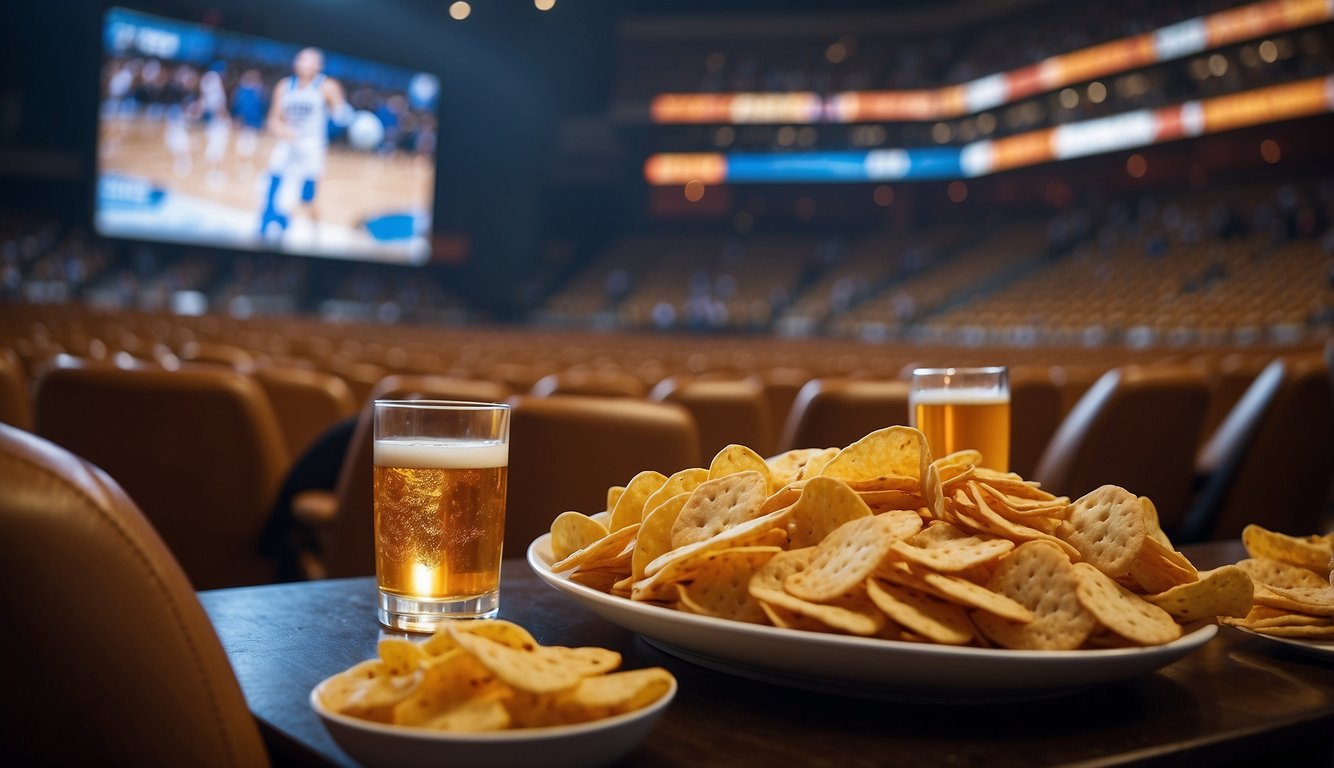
(440, 474)
(959, 408)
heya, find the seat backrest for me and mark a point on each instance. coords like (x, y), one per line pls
(349, 550)
(1270, 461)
(832, 413)
(1231, 378)
(1136, 427)
(1074, 380)
(15, 404)
(306, 402)
(106, 643)
(216, 353)
(198, 449)
(726, 411)
(1035, 413)
(589, 383)
(780, 387)
(566, 451)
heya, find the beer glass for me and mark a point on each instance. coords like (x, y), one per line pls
(958, 408)
(440, 474)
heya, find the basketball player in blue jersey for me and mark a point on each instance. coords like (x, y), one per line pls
(299, 116)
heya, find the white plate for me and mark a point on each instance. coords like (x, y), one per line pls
(861, 666)
(1321, 648)
(568, 746)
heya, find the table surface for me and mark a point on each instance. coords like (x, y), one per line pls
(1238, 699)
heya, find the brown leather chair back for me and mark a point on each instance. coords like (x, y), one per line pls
(589, 383)
(15, 404)
(1137, 427)
(349, 549)
(306, 402)
(566, 451)
(831, 413)
(780, 387)
(216, 353)
(726, 411)
(1074, 380)
(1231, 378)
(1035, 413)
(198, 449)
(108, 650)
(1270, 461)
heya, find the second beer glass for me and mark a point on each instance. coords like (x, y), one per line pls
(959, 408)
(440, 479)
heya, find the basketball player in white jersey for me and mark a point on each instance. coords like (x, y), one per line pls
(299, 116)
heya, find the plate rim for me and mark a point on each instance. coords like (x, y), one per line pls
(1188, 642)
(1295, 643)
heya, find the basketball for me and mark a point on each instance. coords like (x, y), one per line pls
(365, 131)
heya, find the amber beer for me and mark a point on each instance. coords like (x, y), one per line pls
(439, 472)
(964, 408)
(439, 518)
(954, 421)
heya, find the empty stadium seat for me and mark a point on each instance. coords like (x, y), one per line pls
(836, 412)
(306, 402)
(1136, 427)
(725, 410)
(199, 450)
(116, 660)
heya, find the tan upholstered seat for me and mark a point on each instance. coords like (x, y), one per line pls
(835, 412)
(726, 411)
(566, 451)
(1035, 413)
(198, 449)
(1137, 427)
(589, 383)
(306, 402)
(780, 387)
(110, 659)
(348, 547)
(1270, 460)
(15, 404)
(214, 353)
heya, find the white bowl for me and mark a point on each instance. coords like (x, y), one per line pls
(566, 746)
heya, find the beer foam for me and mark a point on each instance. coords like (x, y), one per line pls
(961, 396)
(418, 453)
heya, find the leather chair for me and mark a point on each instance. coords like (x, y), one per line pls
(1136, 427)
(1074, 380)
(1035, 413)
(305, 401)
(566, 451)
(589, 383)
(198, 449)
(345, 518)
(109, 657)
(1231, 378)
(215, 353)
(726, 411)
(831, 413)
(1270, 461)
(780, 387)
(15, 403)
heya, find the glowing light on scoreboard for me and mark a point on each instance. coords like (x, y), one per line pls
(1171, 42)
(1129, 130)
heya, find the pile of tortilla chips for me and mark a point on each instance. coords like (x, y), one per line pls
(489, 675)
(1294, 584)
(878, 539)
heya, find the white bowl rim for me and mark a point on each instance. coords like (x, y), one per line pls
(491, 737)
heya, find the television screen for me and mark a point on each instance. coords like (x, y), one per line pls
(217, 138)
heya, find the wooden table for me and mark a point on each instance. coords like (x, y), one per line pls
(1238, 700)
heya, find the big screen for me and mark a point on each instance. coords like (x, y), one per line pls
(218, 138)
